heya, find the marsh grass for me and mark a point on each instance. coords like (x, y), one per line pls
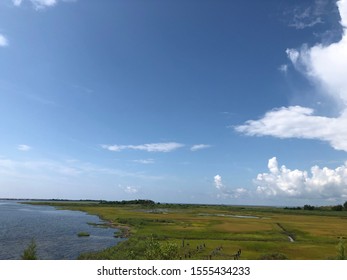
(316, 233)
(83, 234)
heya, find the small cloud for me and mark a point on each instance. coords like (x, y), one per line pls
(225, 192)
(153, 147)
(199, 147)
(17, 2)
(129, 189)
(24, 148)
(218, 182)
(283, 68)
(40, 4)
(3, 41)
(144, 161)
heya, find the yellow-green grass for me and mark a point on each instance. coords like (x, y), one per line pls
(207, 228)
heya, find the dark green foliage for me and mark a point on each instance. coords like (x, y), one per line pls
(308, 207)
(293, 208)
(345, 205)
(127, 202)
(30, 252)
(145, 248)
(337, 207)
(157, 251)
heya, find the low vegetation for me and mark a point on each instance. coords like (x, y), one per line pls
(30, 252)
(83, 234)
(181, 231)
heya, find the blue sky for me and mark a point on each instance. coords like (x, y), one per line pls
(200, 101)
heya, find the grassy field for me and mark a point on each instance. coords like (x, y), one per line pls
(218, 232)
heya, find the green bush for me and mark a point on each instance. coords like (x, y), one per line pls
(341, 255)
(30, 252)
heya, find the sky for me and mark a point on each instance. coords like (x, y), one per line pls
(198, 101)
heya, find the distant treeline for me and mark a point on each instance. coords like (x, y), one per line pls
(126, 202)
(338, 207)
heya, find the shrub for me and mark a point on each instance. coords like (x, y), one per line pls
(30, 252)
(341, 250)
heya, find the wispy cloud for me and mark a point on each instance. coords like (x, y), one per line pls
(3, 41)
(304, 17)
(283, 68)
(154, 147)
(40, 4)
(23, 148)
(320, 183)
(326, 67)
(199, 147)
(144, 161)
(55, 169)
(17, 2)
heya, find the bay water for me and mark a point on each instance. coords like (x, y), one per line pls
(54, 231)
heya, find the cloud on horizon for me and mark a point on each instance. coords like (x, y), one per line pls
(319, 183)
(129, 189)
(325, 66)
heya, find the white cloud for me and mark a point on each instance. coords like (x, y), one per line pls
(144, 161)
(23, 148)
(17, 2)
(3, 41)
(225, 192)
(154, 147)
(218, 182)
(326, 67)
(283, 68)
(320, 183)
(199, 147)
(299, 122)
(131, 189)
(40, 4)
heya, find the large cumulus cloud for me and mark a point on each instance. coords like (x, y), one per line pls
(326, 66)
(320, 183)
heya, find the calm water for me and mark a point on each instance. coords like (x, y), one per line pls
(54, 231)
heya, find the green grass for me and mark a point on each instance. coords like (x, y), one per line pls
(216, 232)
